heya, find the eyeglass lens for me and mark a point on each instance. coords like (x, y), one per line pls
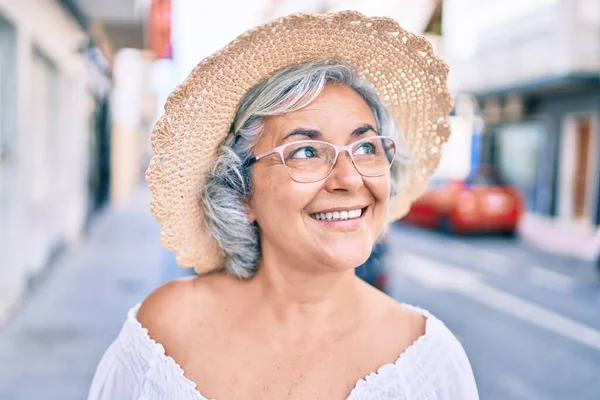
(313, 161)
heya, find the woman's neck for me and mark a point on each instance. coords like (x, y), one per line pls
(299, 297)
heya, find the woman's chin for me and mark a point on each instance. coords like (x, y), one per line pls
(345, 260)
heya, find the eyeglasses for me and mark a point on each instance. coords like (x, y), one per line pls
(313, 160)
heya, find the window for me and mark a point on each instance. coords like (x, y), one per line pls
(43, 124)
(518, 151)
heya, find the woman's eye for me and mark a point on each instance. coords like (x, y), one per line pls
(365, 148)
(304, 152)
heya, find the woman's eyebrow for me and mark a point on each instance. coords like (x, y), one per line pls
(363, 129)
(315, 134)
(310, 133)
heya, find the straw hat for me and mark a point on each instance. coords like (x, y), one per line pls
(401, 66)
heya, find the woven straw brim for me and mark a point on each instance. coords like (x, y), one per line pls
(401, 66)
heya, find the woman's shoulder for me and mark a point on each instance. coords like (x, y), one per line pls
(164, 312)
(439, 356)
(432, 356)
(438, 360)
(153, 337)
(418, 332)
(395, 321)
(429, 332)
(172, 311)
(435, 330)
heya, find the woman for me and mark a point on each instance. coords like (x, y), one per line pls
(276, 166)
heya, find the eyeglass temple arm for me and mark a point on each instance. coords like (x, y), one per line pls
(263, 155)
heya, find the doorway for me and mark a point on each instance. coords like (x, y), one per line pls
(578, 170)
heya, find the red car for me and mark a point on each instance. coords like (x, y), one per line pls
(483, 202)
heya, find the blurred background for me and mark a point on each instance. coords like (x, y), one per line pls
(503, 246)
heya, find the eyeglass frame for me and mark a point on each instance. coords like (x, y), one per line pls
(338, 149)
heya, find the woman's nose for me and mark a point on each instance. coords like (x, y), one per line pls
(344, 175)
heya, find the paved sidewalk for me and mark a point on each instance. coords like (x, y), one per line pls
(50, 348)
(560, 237)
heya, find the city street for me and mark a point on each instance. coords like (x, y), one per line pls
(489, 111)
(529, 321)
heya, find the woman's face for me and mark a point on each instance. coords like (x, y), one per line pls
(284, 209)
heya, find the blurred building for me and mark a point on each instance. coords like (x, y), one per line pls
(119, 28)
(197, 30)
(53, 121)
(533, 67)
(75, 115)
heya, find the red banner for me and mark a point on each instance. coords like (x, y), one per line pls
(158, 34)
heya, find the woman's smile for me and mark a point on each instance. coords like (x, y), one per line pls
(344, 219)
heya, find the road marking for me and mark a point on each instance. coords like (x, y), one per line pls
(494, 268)
(435, 274)
(442, 276)
(461, 246)
(550, 279)
(496, 258)
(519, 388)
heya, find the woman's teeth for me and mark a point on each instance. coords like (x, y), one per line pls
(337, 215)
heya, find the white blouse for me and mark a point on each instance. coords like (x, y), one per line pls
(434, 367)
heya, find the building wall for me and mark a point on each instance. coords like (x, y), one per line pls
(546, 175)
(492, 44)
(199, 31)
(9, 284)
(521, 58)
(131, 121)
(49, 141)
(558, 110)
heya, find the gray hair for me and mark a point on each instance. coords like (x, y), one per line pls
(228, 184)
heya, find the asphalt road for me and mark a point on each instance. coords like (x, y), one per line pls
(529, 321)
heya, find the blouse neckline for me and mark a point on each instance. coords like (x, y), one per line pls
(380, 374)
